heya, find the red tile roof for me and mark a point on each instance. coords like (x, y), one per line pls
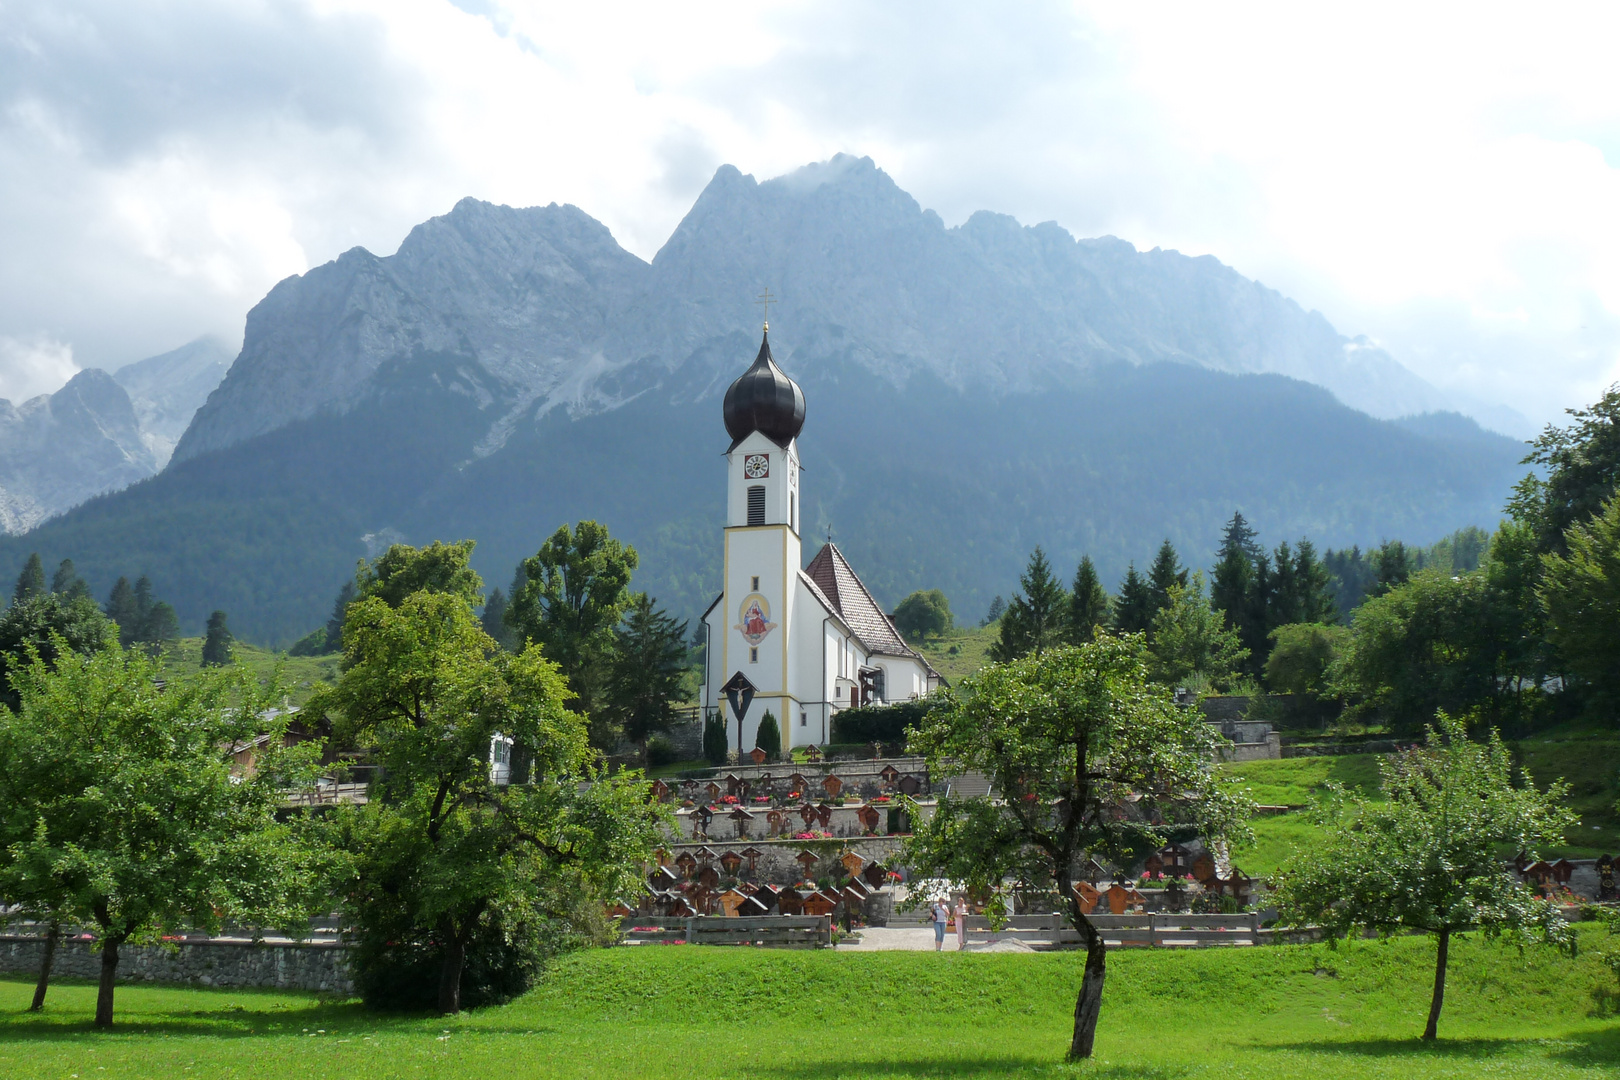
(839, 585)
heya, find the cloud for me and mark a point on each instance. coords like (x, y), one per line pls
(1444, 180)
(29, 368)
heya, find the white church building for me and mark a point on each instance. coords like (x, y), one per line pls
(806, 640)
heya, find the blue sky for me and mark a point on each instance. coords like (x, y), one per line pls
(1441, 178)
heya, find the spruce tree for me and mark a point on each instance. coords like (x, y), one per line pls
(217, 645)
(1037, 618)
(1088, 603)
(120, 608)
(714, 739)
(1133, 609)
(649, 671)
(340, 609)
(144, 600)
(494, 620)
(998, 608)
(66, 582)
(31, 582)
(1166, 572)
(160, 627)
(1314, 586)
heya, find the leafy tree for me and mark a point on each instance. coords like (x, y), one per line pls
(1088, 603)
(1035, 620)
(1428, 857)
(1580, 589)
(66, 582)
(333, 639)
(122, 810)
(445, 859)
(31, 582)
(493, 621)
(1091, 759)
(1303, 658)
(121, 609)
(216, 650)
(403, 570)
(715, 746)
(923, 614)
(649, 671)
(576, 589)
(1165, 574)
(1133, 610)
(1432, 643)
(1191, 644)
(769, 737)
(1581, 463)
(43, 626)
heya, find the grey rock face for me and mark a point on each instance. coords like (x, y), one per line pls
(60, 449)
(551, 312)
(167, 390)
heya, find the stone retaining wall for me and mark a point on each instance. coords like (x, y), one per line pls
(314, 965)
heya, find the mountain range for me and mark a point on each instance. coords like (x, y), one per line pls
(972, 391)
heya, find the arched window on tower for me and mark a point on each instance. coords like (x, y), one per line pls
(756, 505)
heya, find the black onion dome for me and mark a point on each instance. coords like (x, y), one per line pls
(765, 400)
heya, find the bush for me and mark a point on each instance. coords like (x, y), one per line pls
(1302, 658)
(769, 738)
(660, 752)
(311, 644)
(714, 740)
(398, 969)
(878, 723)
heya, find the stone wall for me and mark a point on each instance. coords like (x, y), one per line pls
(314, 965)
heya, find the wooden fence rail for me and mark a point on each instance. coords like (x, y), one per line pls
(1159, 930)
(779, 931)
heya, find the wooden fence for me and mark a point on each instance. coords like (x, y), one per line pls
(779, 931)
(1159, 930)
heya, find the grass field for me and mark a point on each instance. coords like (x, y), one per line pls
(299, 672)
(673, 1013)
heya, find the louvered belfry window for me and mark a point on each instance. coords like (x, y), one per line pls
(756, 505)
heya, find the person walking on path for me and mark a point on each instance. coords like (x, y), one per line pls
(961, 923)
(941, 912)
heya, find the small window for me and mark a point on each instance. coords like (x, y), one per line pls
(755, 586)
(756, 505)
(753, 655)
(804, 718)
(793, 512)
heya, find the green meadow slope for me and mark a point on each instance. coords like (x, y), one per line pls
(671, 1013)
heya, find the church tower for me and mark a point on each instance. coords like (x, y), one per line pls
(764, 413)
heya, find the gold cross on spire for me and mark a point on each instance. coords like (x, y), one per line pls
(765, 301)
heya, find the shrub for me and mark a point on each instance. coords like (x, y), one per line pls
(769, 738)
(660, 752)
(878, 723)
(396, 968)
(714, 740)
(311, 644)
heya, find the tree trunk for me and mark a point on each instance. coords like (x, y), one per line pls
(44, 982)
(1088, 1006)
(1432, 1030)
(455, 957)
(109, 972)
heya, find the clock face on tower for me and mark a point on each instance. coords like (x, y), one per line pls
(757, 466)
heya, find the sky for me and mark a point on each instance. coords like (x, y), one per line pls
(1444, 179)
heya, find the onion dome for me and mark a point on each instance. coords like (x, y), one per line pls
(765, 400)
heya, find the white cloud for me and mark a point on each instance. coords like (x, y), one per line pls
(1443, 179)
(33, 366)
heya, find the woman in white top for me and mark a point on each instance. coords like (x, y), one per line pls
(942, 915)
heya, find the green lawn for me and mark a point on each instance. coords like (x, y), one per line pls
(961, 652)
(683, 1012)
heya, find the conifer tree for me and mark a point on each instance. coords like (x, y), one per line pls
(494, 620)
(1036, 619)
(1088, 603)
(67, 584)
(769, 738)
(334, 625)
(31, 582)
(1165, 573)
(649, 670)
(120, 608)
(217, 645)
(1133, 609)
(1233, 579)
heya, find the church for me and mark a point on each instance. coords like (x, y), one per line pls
(799, 643)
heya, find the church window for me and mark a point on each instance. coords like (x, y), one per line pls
(755, 586)
(756, 505)
(793, 512)
(753, 655)
(804, 718)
